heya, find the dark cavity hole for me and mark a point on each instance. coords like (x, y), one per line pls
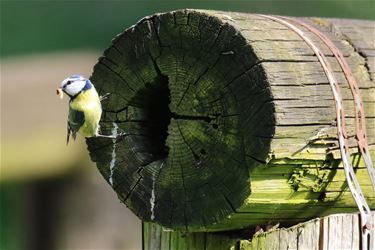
(203, 152)
(153, 102)
(215, 126)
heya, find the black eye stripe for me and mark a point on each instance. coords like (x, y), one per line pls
(68, 82)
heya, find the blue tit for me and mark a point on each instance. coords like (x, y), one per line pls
(85, 108)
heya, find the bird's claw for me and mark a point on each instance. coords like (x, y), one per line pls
(122, 134)
(103, 97)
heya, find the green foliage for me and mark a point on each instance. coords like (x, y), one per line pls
(12, 217)
(39, 26)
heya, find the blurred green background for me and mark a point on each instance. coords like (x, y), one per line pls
(41, 26)
(51, 195)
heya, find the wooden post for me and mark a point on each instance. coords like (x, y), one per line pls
(157, 238)
(231, 120)
(339, 231)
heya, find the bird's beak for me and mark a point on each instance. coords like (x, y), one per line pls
(60, 93)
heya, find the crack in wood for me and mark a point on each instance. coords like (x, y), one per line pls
(191, 117)
(189, 84)
(360, 53)
(196, 157)
(132, 188)
(256, 159)
(117, 74)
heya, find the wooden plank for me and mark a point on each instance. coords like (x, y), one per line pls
(157, 238)
(308, 236)
(340, 231)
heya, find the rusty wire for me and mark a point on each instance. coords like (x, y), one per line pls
(367, 222)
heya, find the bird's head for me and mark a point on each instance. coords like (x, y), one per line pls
(73, 85)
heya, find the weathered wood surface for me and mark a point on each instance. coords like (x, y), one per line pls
(155, 237)
(232, 119)
(339, 231)
(334, 232)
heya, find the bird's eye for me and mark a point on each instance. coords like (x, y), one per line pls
(68, 82)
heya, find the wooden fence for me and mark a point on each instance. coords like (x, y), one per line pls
(333, 232)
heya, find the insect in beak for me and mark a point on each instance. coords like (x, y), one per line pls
(60, 93)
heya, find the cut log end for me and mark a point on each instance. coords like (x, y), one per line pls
(230, 119)
(189, 91)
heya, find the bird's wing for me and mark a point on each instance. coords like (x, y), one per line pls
(75, 120)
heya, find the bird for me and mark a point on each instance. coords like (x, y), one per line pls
(85, 107)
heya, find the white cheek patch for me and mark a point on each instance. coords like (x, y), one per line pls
(75, 87)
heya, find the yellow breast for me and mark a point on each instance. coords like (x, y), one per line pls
(89, 103)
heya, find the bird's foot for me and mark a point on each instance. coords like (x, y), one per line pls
(103, 97)
(120, 135)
